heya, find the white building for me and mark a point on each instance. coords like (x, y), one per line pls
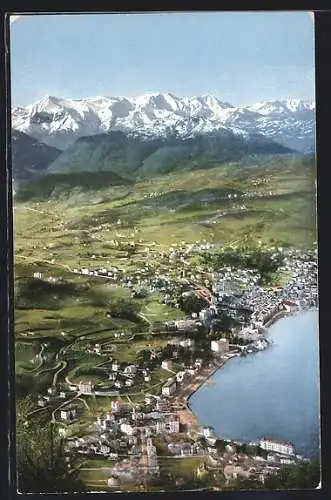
(115, 367)
(206, 314)
(162, 405)
(208, 432)
(169, 388)
(166, 364)
(104, 449)
(277, 446)
(220, 346)
(130, 370)
(85, 387)
(37, 275)
(180, 376)
(187, 343)
(68, 413)
(170, 426)
(127, 428)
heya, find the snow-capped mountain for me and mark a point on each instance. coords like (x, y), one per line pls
(60, 122)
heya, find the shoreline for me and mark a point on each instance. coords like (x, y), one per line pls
(187, 413)
(201, 378)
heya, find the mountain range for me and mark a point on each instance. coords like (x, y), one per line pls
(60, 122)
(127, 139)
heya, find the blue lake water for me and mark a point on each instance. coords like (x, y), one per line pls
(272, 393)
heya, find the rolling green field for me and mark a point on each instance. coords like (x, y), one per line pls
(96, 228)
(59, 318)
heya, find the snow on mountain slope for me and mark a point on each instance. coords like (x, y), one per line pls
(59, 122)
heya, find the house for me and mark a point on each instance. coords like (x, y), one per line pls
(167, 426)
(208, 432)
(147, 378)
(187, 343)
(115, 366)
(233, 471)
(169, 388)
(129, 383)
(37, 275)
(185, 325)
(206, 314)
(113, 482)
(117, 405)
(198, 363)
(118, 384)
(162, 404)
(104, 448)
(277, 446)
(166, 364)
(68, 413)
(180, 376)
(127, 428)
(290, 305)
(130, 370)
(85, 387)
(97, 349)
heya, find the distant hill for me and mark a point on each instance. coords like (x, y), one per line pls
(136, 157)
(55, 186)
(30, 157)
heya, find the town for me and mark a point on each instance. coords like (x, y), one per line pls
(149, 422)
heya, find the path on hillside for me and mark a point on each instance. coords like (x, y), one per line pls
(64, 364)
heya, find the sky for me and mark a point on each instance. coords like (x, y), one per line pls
(240, 57)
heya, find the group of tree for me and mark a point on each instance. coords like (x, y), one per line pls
(41, 463)
(249, 255)
(305, 475)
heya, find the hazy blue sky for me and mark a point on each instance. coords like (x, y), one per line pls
(240, 57)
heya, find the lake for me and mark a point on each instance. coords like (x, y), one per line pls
(272, 393)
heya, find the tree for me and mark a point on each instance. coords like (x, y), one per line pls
(220, 445)
(192, 304)
(306, 475)
(300, 476)
(40, 459)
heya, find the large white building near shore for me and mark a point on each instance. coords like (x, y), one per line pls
(277, 446)
(220, 346)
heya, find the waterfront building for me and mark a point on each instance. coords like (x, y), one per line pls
(277, 446)
(220, 346)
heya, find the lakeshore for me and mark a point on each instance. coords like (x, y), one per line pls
(187, 416)
(293, 383)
